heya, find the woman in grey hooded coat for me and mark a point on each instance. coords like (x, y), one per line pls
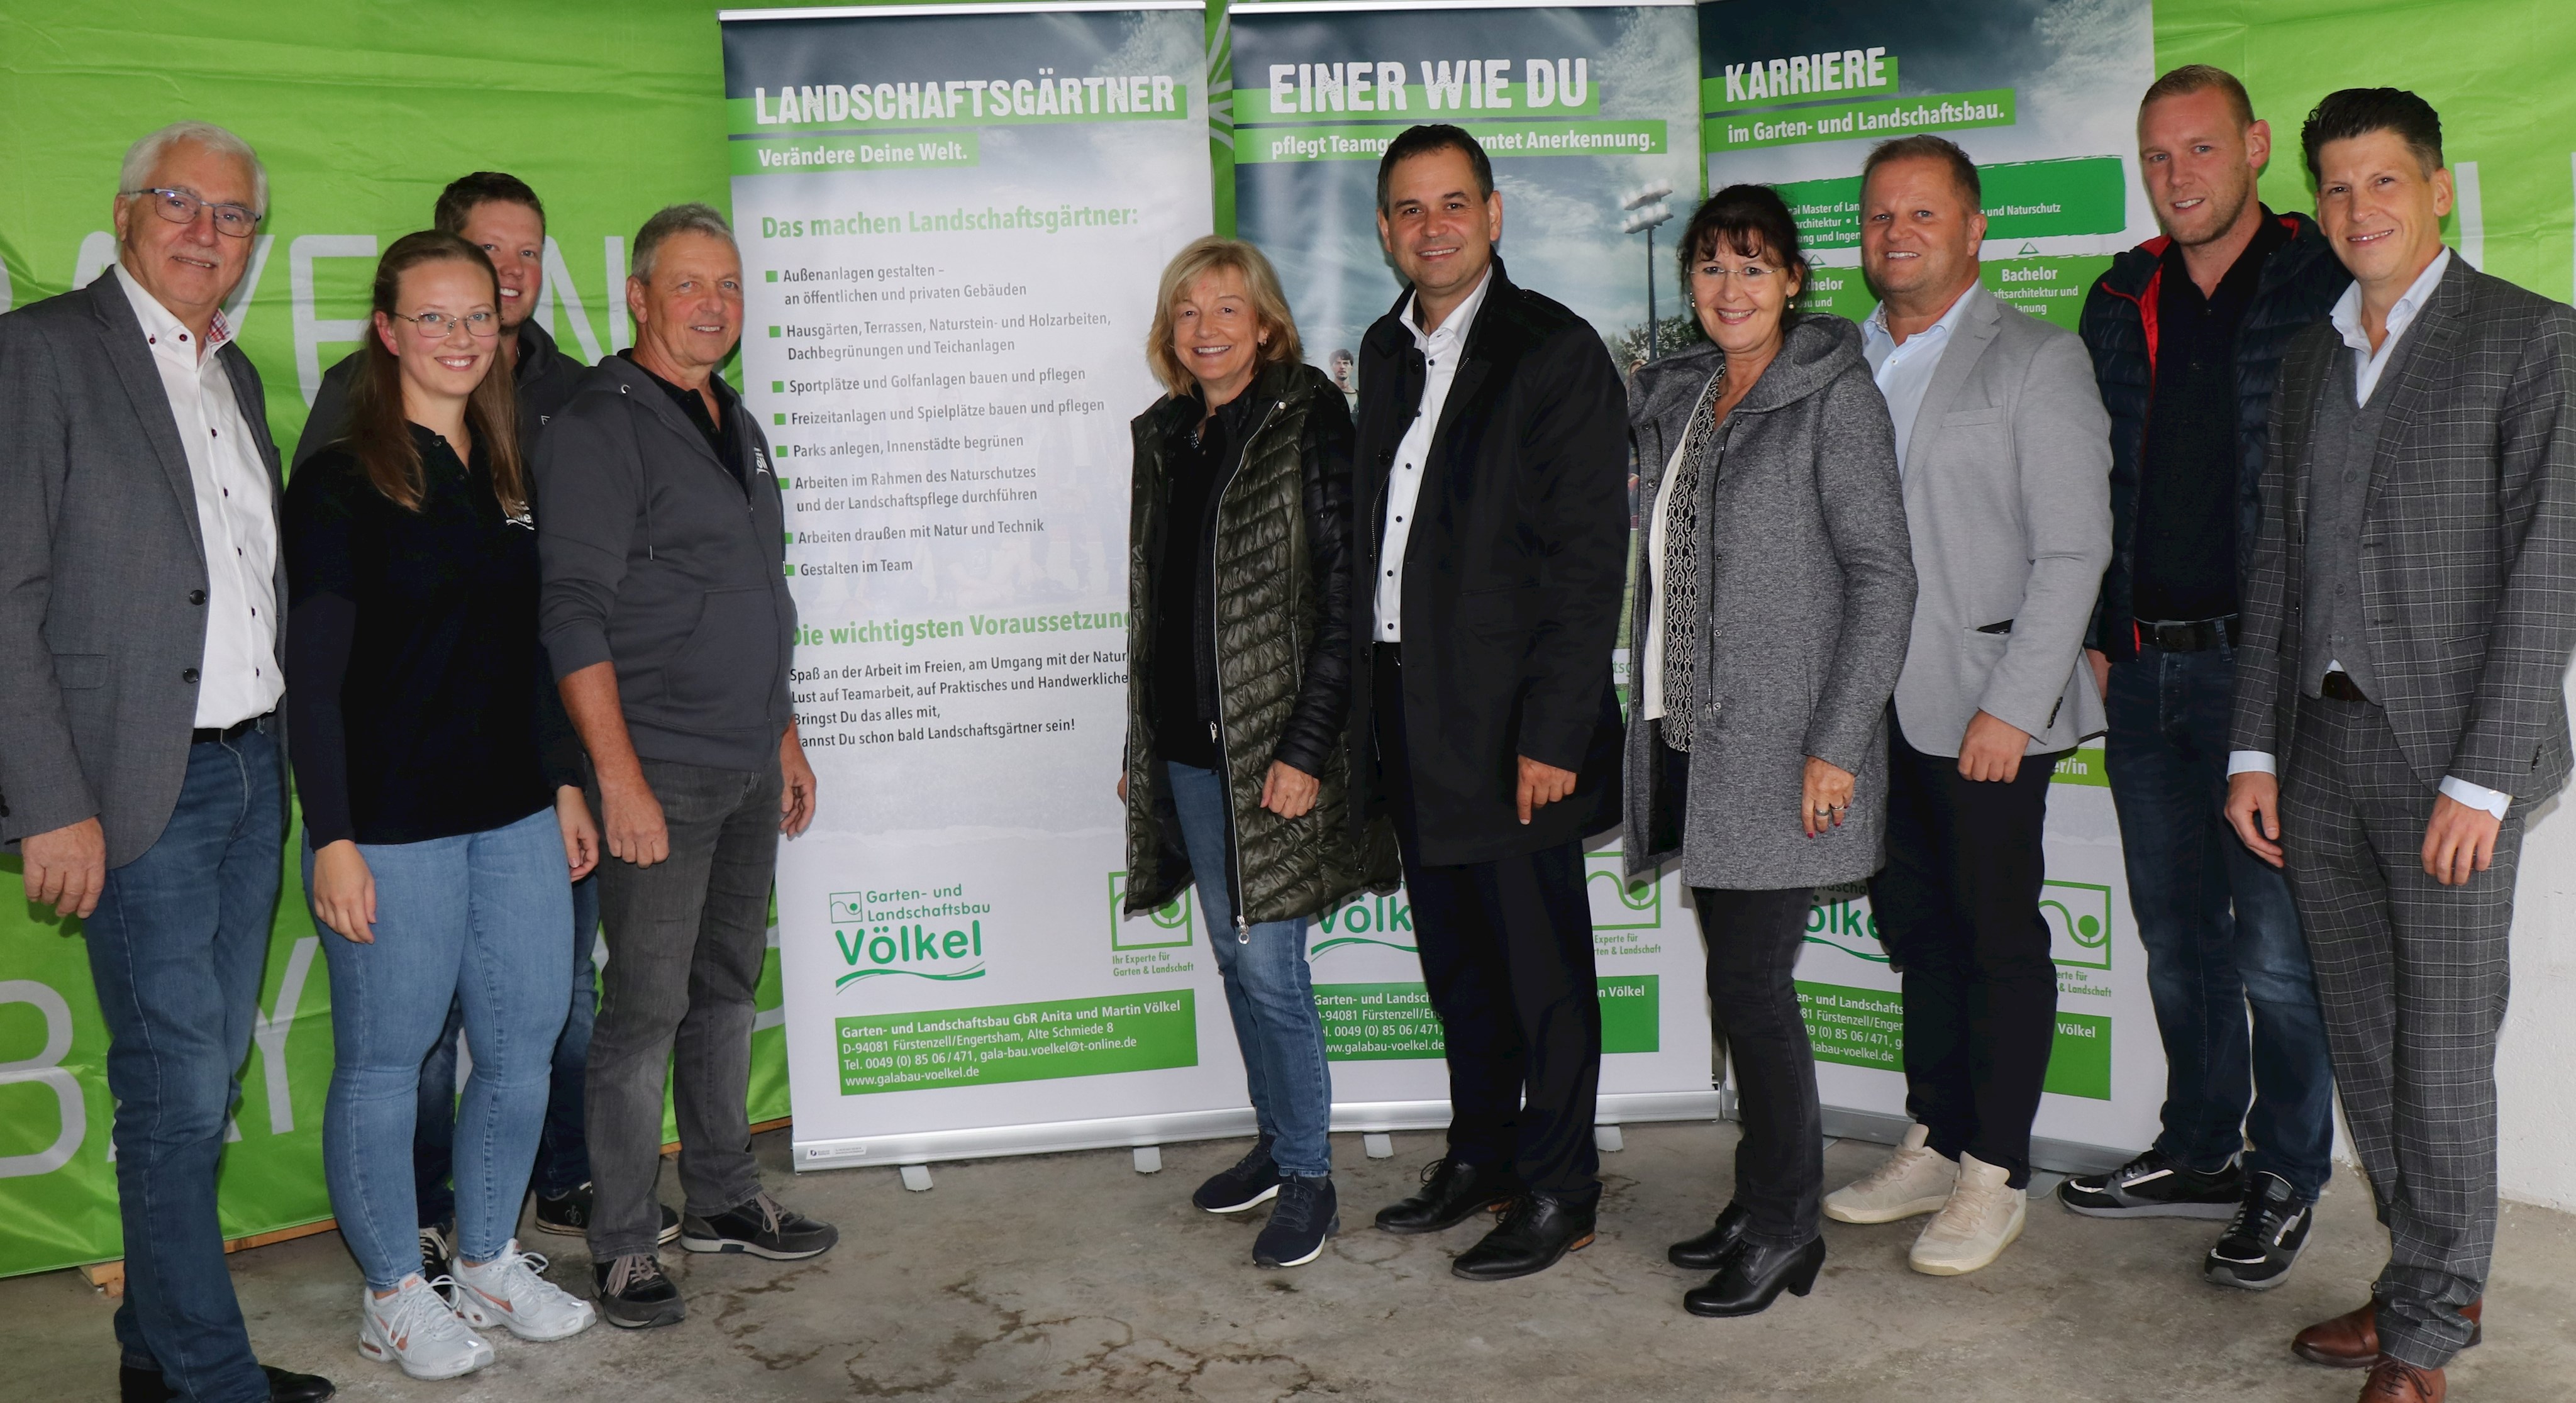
(1774, 594)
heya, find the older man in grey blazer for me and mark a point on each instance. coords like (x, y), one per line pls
(2409, 615)
(2003, 447)
(142, 766)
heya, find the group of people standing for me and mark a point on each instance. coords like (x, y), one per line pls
(2293, 520)
(519, 631)
(1885, 576)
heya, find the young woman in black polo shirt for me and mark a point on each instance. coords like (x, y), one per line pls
(443, 819)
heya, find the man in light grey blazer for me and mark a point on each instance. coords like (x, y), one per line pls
(2409, 615)
(142, 763)
(2004, 451)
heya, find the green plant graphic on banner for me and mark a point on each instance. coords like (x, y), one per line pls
(1166, 927)
(2079, 923)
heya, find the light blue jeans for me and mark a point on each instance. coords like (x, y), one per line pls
(483, 920)
(1267, 989)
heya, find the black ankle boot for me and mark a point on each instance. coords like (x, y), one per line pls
(1754, 1278)
(1709, 1250)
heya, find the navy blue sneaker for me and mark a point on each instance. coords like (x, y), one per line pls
(1254, 1179)
(1305, 1218)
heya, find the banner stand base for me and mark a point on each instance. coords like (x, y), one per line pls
(1147, 1134)
(1378, 1146)
(2056, 1156)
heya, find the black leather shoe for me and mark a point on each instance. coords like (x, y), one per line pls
(1754, 1278)
(1536, 1231)
(1452, 1192)
(147, 1386)
(1709, 1250)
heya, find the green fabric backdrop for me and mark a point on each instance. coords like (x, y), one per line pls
(611, 110)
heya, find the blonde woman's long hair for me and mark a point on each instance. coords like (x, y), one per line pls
(1269, 304)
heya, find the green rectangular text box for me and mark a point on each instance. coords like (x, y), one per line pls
(1018, 1042)
(1848, 121)
(2023, 200)
(1736, 86)
(1269, 145)
(1866, 1028)
(834, 154)
(1411, 103)
(1392, 1022)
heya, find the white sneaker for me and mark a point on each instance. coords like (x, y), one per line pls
(1915, 1179)
(417, 1330)
(1984, 1215)
(508, 1292)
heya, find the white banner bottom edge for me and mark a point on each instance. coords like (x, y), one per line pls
(1127, 1132)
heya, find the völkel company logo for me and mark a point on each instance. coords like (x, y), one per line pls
(920, 932)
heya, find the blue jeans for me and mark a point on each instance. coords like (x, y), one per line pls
(1267, 989)
(483, 920)
(177, 949)
(563, 1158)
(2220, 932)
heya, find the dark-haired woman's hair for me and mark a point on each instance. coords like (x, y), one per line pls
(1748, 219)
(379, 434)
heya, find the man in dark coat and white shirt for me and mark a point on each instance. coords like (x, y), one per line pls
(1492, 468)
(142, 744)
(2400, 703)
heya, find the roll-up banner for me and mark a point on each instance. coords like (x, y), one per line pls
(1588, 113)
(1794, 96)
(953, 220)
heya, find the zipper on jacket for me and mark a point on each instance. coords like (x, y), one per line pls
(1216, 660)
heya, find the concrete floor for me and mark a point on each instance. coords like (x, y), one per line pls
(1073, 1277)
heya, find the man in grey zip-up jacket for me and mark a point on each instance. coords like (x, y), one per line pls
(667, 616)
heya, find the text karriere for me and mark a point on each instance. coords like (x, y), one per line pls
(949, 99)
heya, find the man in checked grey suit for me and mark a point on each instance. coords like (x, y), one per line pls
(142, 763)
(2005, 455)
(2409, 615)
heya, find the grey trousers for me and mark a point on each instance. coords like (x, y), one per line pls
(2412, 975)
(686, 938)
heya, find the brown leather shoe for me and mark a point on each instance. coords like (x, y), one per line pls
(2395, 1381)
(2351, 1340)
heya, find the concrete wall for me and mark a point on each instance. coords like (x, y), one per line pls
(2536, 1067)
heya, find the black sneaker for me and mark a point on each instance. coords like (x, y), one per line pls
(2153, 1186)
(763, 1227)
(568, 1215)
(635, 1295)
(438, 1254)
(2262, 1242)
(1306, 1217)
(1253, 1179)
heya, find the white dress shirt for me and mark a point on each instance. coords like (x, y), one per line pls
(1441, 352)
(1651, 685)
(237, 678)
(2367, 365)
(1904, 372)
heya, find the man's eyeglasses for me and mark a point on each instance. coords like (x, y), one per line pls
(180, 207)
(437, 325)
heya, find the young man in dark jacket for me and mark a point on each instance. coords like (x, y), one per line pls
(666, 614)
(1493, 523)
(2187, 333)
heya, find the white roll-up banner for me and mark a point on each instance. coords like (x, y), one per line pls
(953, 220)
(1583, 109)
(2045, 104)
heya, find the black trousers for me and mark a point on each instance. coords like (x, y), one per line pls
(1958, 910)
(1507, 955)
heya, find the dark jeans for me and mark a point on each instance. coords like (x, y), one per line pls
(1753, 940)
(2221, 933)
(563, 1159)
(686, 939)
(1506, 952)
(1958, 910)
(177, 949)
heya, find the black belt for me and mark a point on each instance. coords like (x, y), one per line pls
(2338, 684)
(208, 735)
(2193, 636)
